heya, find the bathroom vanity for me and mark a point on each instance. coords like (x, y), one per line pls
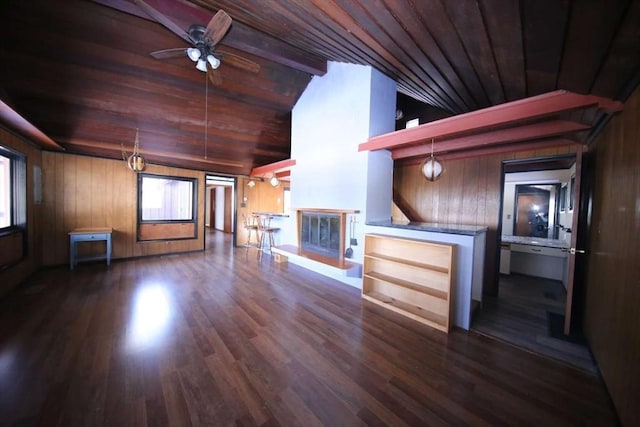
(539, 257)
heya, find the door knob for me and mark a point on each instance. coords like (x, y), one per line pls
(574, 251)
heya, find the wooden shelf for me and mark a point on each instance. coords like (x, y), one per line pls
(409, 285)
(420, 314)
(407, 262)
(411, 277)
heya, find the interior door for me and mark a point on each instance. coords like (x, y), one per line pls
(228, 205)
(576, 254)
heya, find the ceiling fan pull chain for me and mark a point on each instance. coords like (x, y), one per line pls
(206, 112)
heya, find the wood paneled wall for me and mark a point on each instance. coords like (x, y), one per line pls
(13, 275)
(261, 198)
(83, 191)
(613, 280)
(468, 193)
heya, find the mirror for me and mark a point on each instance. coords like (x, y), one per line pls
(537, 198)
(535, 210)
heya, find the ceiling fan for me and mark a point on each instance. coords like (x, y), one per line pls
(203, 41)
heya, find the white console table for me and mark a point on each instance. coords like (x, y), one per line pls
(89, 235)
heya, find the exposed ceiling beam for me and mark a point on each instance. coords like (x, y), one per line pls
(505, 114)
(13, 120)
(158, 155)
(499, 149)
(493, 137)
(239, 37)
(281, 166)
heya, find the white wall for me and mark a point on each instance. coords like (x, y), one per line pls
(219, 213)
(336, 113)
(207, 211)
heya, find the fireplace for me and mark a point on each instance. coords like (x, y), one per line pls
(321, 233)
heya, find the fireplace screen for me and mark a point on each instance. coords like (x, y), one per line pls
(320, 232)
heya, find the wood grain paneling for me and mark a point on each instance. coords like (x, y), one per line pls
(11, 248)
(261, 198)
(166, 231)
(12, 276)
(92, 192)
(83, 75)
(613, 279)
(467, 193)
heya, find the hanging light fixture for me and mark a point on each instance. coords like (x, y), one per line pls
(213, 61)
(274, 181)
(135, 161)
(194, 53)
(201, 65)
(251, 184)
(431, 168)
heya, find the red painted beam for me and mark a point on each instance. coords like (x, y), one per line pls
(15, 121)
(273, 167)
(495, 137)
(500, 149)
(500, 115)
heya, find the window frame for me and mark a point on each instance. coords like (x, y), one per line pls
(18, 204)
(194, 207)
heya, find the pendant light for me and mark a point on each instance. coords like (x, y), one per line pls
(135, 161)
(431, 168)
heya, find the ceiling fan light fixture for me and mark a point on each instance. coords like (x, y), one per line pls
(213, 61)
(194, 53)
(202, 65)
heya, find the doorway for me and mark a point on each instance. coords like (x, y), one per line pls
(220, 204)
(537, 223)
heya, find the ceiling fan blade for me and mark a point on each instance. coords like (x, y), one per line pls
(179, 52)
(214, 76)
(162, 19)
(218, 27)
(238, 61)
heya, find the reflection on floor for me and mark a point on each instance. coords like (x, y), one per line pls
(521, 315)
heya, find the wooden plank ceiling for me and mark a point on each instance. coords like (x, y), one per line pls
(81, 73)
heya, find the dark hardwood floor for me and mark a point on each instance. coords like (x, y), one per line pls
(522, 314)
(224, 337)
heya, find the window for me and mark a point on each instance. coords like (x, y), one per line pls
(13, 189)
(286, 200)
(13, 207)
(412, 123)
(166, 207)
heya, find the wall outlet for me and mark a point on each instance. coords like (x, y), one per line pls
(354, 242)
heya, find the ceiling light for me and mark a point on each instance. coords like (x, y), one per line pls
(431, 168)
(251, 184)
(274, 181)
(213, 61)
(202, 65)
(193, 53)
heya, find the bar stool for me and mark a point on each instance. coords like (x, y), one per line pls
(265, 229)
(250, 224)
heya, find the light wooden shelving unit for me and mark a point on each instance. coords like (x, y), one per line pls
(411, 277)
